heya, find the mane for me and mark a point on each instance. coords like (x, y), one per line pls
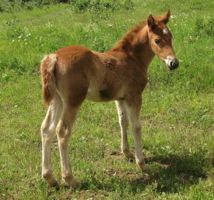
(125, 42)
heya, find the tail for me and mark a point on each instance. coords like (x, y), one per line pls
(48, 78)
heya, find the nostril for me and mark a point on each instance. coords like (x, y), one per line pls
(174, 64)
(171, 63)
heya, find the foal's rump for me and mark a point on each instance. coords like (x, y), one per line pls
(60, 69)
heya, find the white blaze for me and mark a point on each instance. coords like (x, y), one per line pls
(165, 31)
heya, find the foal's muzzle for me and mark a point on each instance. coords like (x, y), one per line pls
(171, 63)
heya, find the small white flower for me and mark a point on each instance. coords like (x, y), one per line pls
(110, 25)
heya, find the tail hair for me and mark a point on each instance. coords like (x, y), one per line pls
(47, 69)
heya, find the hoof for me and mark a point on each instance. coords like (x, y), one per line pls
(143, 166)
(75, 184)
(55, 184)
(52, 182)
(72, 182)
(129, 155)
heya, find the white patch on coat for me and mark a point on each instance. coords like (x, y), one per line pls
(165, 31)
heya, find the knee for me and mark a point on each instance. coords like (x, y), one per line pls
(63, 132)
(47, 134)
(60, 130)
(47, 128)
(44, 128)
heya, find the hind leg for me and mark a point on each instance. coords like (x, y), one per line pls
(64, 133)
(73, 94)
(48, 130)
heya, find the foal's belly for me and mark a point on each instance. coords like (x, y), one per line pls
(103, 95)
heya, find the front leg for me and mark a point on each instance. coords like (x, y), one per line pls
(123, 120)
(133, 108)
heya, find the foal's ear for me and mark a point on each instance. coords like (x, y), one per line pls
(165, 18)
(150, 22)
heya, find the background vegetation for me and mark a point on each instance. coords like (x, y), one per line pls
(177, 112)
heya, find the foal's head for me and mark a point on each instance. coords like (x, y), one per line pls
(160, 39)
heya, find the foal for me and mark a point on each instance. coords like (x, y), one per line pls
(75, 73)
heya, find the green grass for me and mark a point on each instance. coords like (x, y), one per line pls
(177, 112)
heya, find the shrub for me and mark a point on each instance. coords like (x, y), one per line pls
(101, 5)
(15, 5)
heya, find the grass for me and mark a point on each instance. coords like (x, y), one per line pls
(177, 112)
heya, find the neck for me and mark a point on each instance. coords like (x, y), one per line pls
(141, 49)
(137, 46)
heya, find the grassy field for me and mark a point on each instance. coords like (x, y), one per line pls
(177, 112)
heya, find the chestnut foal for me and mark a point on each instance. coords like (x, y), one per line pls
(75, 73)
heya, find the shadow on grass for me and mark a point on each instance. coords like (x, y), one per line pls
(174, 172)
(166, 174)
(169, 174)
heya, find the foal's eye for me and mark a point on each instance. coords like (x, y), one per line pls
(157, 41)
